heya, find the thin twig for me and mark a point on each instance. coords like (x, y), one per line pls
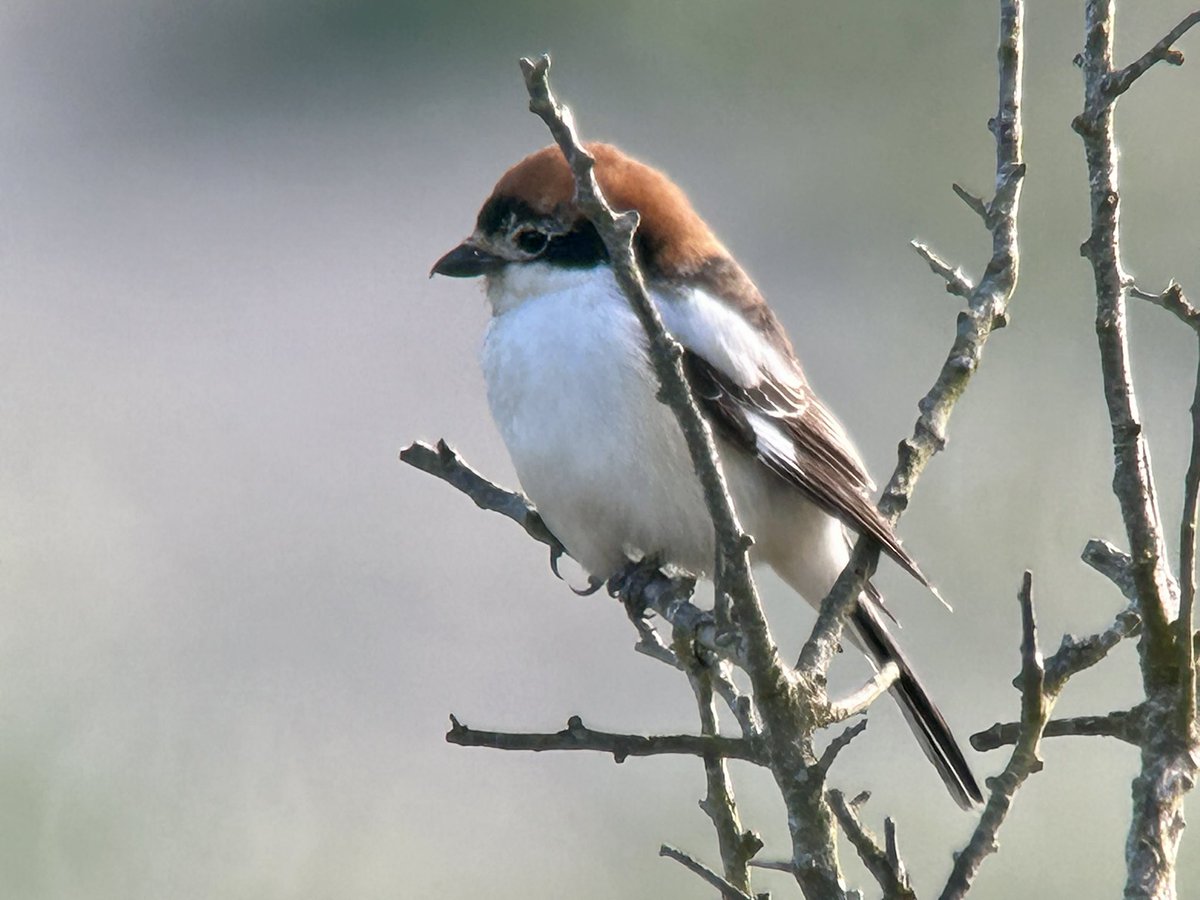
(1187, 572)
(1168, 751)
(957, 283)
(1117, 83)
(977, 205)
(860, 700)
(1035, 711)
(1113, 563)
(882, 862)
(442, 462)
(1173, 300)
(727, 890)
(1124, 724)
(737, 847)
(1076, 654)
(732, 565)
(577, 736)
(986, 311)
(840, 743)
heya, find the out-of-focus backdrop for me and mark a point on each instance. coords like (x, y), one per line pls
(232, 625)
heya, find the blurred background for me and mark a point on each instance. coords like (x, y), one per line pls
(233, 625)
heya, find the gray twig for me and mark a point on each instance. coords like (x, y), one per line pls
(737, 847)
(838, 744)
(728, 891)
(1173, 300)
(956, 282)
(977, 205)
(1075, 654)
(1113, 563)
(1169, 744)
(1117, 83)
(577, 736)
(882, 862)
(986, 310)
(860, 700)
(1124, 724)
(1036, 704)
(442, 462)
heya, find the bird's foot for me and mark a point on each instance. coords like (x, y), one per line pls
(629, 585)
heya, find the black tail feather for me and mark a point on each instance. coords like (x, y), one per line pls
(922, 715)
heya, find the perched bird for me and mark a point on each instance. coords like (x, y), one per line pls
(572, 391)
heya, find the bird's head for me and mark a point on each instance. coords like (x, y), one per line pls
(531, 220)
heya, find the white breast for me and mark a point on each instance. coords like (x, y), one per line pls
(572, 393)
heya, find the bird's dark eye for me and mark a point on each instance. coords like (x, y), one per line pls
(531, 241)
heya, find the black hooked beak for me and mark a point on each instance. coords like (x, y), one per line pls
(466, 261)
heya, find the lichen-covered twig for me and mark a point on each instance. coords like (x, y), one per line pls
(986, 310)
(883, 862)
(956, 282)
(1173, 300)
(728, 891)
(737, 846)
(1036, 704)
(1169, 743)
(577, 736)
(1118, 82)
(1123, 724)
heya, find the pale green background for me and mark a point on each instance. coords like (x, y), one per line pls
(232, 625)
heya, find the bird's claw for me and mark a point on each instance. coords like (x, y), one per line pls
(594, 583)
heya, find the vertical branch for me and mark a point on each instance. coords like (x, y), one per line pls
(737, 846)
(1133, 481)
(1187, 569)
(1036, 704)
(1168, 761)
(986, 311)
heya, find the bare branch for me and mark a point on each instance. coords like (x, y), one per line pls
(838, 744)
(1035, 710)
(444, 463)
(1133, 480)
(892, 850)
(577, 736)
(1173, 301)
(728, 891)
(883, 864)
(1187, 571)
(1117, 83)
(1168, 762)
(957, 283)
(975, 203)
(860, 700)
(986, 311)
(737, 847)
(1113, 563)
(1076, 654)
(1125, 725)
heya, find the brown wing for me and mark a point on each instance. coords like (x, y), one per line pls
(791, 433)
